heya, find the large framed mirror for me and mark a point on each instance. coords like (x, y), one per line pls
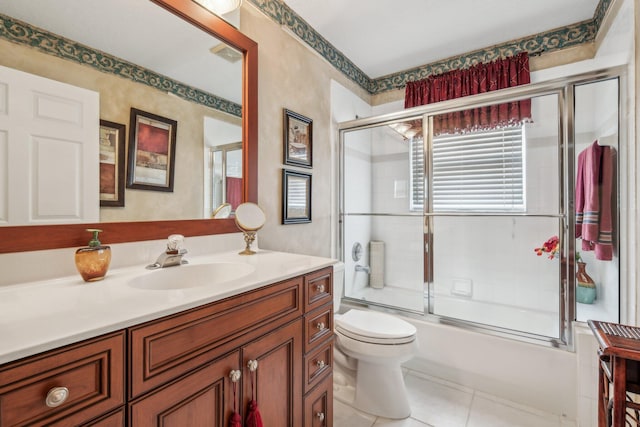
(230, 109)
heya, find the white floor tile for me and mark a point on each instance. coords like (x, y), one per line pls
(346, 416)
(407, 422)
(490, 413)
(436, 404)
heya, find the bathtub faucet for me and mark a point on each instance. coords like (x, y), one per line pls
(364, 268)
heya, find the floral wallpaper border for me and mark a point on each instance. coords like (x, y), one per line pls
(20, 32)
(572, 35)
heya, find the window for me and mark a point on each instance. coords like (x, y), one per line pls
(478, 171)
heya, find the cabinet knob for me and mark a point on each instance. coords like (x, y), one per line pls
(320, 364)
(56, 396)
(320, 416)
(320, 288)
(234, 376)
(252, 365)
(320, 326)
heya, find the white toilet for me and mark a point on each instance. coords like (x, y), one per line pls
(370, 347)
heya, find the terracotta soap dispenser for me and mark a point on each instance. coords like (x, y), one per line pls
(93, 261)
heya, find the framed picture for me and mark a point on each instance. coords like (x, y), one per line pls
(298, 144)
(152, 149)
(112, 137)
(296, 197)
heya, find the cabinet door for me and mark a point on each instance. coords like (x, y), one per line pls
(203, 398)
(277, 382)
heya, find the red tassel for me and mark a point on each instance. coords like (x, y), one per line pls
(235, 420)
(253, 416)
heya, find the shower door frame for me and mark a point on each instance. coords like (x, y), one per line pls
(564, 89)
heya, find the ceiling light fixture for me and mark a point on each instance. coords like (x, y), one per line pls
(220, 7)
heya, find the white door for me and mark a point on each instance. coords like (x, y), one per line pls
(49, 151)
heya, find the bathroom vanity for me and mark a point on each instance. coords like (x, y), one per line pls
(169, 362)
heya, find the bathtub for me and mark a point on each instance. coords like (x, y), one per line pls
(516, 318)
(535, 376)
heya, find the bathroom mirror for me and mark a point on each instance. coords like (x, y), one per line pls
(122, 230)
(249, 218)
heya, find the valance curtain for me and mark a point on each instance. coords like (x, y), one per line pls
(500, 74)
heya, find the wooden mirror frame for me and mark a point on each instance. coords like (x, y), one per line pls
(40, 237)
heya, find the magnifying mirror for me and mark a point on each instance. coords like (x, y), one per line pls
(222, 211)
(249, 218)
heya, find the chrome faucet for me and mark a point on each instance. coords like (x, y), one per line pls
(172, 256)
(364, 268)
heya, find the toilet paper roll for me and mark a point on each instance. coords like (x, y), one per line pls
(376, 264)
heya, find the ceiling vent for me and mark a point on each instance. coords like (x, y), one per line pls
(226, 52)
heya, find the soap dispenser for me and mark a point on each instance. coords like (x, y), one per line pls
(93, 261)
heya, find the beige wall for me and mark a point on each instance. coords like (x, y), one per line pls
(294, 77)
(117, 96)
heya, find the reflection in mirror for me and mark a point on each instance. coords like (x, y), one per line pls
(18, 239)
(223, 156)
(222, 211)
(171, 69)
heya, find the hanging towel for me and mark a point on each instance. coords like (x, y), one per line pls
(594, 200)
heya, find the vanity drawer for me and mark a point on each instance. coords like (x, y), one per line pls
(318, 288)
(164, 349)
(317, 364)
(318, 326)
(318, 405)
(92, 372)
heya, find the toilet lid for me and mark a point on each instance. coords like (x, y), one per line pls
(372, 326)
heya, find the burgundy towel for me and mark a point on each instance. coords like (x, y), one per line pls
(594, 200)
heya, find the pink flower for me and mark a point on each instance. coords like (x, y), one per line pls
(551, 246)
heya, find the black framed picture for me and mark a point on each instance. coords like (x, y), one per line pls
(152, 150)
(296, 197)
(112, 170)
(298, 139)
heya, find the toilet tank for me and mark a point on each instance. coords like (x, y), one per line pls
(338, 285)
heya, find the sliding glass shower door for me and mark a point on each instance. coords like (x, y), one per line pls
(472, 218)
(383, 238)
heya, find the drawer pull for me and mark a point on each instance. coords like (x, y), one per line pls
(56, 396)
(320, 416)
(320, 288)
(321, 326)
(234, 376)
(320, 364)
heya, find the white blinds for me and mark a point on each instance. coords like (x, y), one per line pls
(479, 171)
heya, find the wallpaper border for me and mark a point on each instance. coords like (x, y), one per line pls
(22, 33)
(548, 41)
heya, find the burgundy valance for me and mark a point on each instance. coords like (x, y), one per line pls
(480, 78)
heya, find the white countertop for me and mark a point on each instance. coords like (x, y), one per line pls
(43, 315)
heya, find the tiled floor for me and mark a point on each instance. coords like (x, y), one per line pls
(435, 403)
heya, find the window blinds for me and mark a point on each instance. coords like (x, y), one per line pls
(479, 171)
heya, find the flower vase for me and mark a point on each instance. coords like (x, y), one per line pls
(586, 289)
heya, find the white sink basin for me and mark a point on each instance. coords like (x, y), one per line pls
(191, 276)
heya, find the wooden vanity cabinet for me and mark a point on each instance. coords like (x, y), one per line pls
(178, 367)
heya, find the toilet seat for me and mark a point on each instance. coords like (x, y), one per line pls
(374, 327)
